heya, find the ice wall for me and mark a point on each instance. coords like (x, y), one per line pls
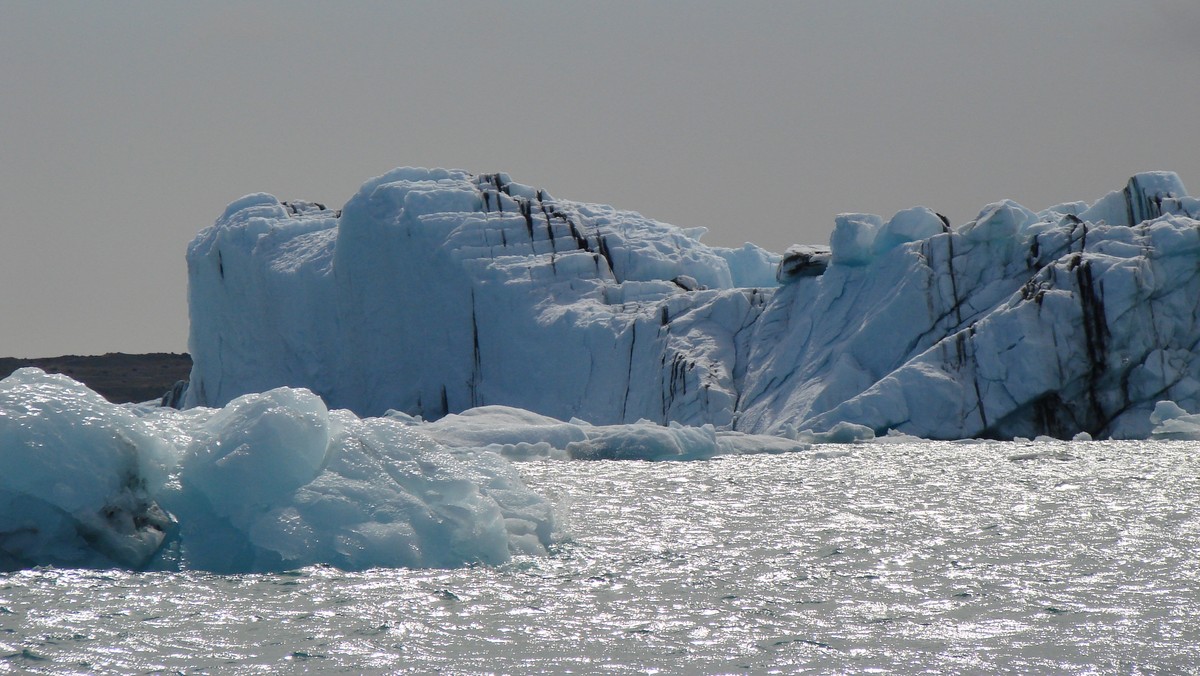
(435, 291)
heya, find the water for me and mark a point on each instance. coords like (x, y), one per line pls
(936, 557)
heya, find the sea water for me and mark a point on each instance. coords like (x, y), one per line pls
(1034, 557)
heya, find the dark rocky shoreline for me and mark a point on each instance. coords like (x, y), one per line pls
(119, 377)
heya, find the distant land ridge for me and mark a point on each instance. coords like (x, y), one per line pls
(121, 378)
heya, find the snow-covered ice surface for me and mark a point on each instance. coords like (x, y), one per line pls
(434, 291)
(907, 557)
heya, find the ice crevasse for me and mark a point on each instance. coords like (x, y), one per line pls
(433, 292)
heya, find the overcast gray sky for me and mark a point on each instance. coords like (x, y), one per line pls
(126, 127)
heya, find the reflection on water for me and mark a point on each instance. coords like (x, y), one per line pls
(905, 557)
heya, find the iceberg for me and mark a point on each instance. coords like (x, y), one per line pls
(432, 292)
(77, 477)
(1014, 325)
(521, 435)
(272, 481)
(435, 291)
(1172, 423)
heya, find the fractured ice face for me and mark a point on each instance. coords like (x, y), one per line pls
(1011, 327)
(436, 291)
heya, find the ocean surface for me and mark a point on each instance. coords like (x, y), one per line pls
(1079, 557)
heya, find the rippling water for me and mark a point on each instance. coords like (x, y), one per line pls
(1037, 557)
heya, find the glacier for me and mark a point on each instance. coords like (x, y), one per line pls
(434, 292)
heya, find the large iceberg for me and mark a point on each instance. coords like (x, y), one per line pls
(436, 291)
(432, 292)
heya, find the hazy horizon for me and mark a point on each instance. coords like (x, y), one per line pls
(129, 126)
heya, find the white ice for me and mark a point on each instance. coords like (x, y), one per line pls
(521, 434)
(1171, 422)
(436, 291)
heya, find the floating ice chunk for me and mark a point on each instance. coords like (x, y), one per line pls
(896, 437)
(78, 477)
(391, 496)
(521, 435)
(271, 481)
(853, 238)
(647, 441)
(740, 443)
(841, 433)
(274, 481)
(485, 425)
(1171, 422)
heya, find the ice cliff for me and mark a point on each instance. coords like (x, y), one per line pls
(432, 292)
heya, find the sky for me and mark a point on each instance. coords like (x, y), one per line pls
(126, 127)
